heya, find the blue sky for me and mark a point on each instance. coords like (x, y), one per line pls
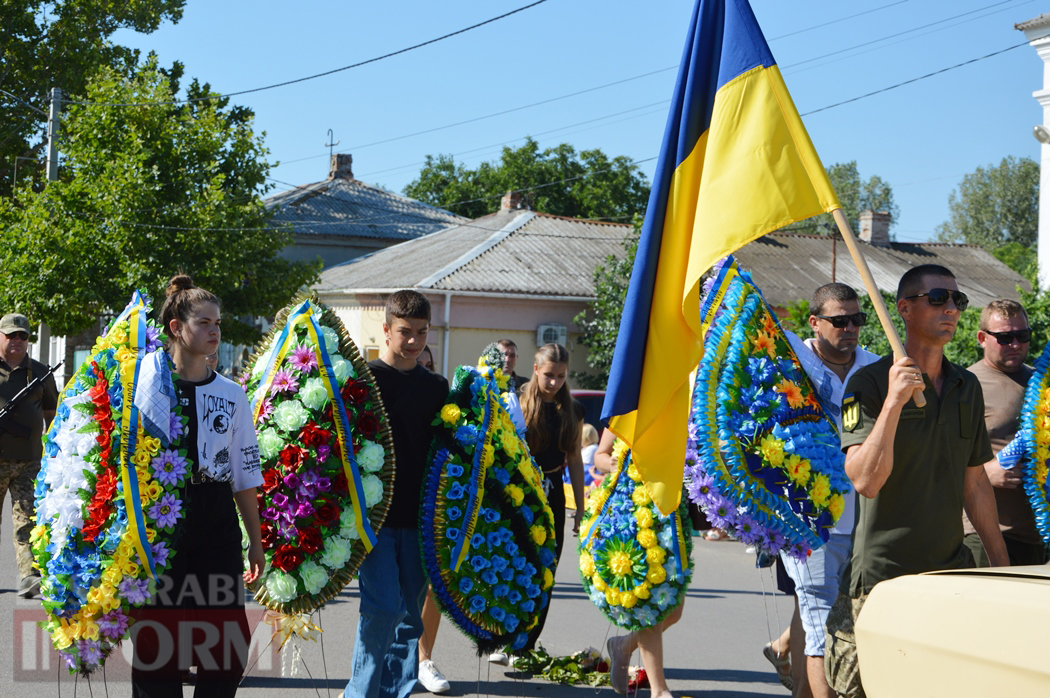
(921, 137)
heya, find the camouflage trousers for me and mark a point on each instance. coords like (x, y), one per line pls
(841, 667)
(16, 477)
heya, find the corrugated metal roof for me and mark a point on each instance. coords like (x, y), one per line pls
(350, 208)
(790, 266)
(506, 252)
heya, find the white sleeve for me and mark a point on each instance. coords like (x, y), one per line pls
(244, 446)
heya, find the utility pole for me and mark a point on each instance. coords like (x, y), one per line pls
(54, 121)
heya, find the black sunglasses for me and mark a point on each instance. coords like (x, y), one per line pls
(17, 335)
(940, 296)
(1022, 336)
(840, 321)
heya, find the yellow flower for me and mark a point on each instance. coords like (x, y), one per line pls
(646, 538)
(450, 413)
(798, 469)
(763, 342)
(150, 443)
(61, 637)
(597, 499)
(502, 381)
(37, 533)
(612, 597)
(820, 491)
(657, 574)
(628, 599)
(1040, 473)
(539, 534)
(640, 497)
(511, 443)
(129, 567)
(642, 591)
(620, 563)
(792, 392)
(113, 575)
(155, 490)
(126, 354)
(655, 556)
(632, 472)
(586, 564)
(1042, 408)
(548, 579)
(644, 517)
(516, 494)
(836, 505)
(488, 455)
(141, 458)
(119, 335)
(151, 534)
(772, 449)
(598, 582)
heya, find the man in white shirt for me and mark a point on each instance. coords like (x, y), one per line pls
(829, 358)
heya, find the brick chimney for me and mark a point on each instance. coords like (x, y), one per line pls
(510, 201)
(875, 228)
(342, 166)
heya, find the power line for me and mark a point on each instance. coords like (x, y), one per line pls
(836, 21)
(320, 75)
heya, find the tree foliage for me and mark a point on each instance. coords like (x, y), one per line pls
(995, 206)
(600, 322)
(60, 43)
(146, 191)
(855, 195)
(557, 180)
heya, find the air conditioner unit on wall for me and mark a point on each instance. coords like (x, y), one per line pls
(556, 334)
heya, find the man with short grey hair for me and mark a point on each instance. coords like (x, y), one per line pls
(20, 432)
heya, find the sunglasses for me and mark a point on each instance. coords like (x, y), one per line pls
(1022, 336)
(17, 335)
(940, 296)
(839, 322)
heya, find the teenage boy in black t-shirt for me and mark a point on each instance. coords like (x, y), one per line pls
(392, 580)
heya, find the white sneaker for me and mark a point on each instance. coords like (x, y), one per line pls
(431, 678)
(750, 550)
(500, 658)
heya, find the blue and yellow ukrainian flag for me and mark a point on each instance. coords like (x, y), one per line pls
(736, 163)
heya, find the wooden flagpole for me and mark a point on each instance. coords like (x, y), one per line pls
(875, 295)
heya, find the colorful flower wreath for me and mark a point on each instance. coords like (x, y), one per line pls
(327, 458)
(108, 495)
(763, 459)
(487, 533)
(1035, 422)
(634, 561)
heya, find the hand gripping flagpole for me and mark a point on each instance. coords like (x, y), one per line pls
(876, 296)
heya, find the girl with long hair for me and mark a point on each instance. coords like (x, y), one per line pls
(554, 422)
(202, 589)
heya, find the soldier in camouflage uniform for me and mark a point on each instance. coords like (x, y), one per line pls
(20, 432)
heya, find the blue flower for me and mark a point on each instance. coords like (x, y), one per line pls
(455, 470)
(477, 603)
(523, 580)
(530, 570)
(500, 591)
(466, 435)
(507, 537)
(526, 513)
(527, 606)
(532, 591)
(546, 557)
(514, 596)
(499, 563)
(454, 534)
(620, 615)
(456, 491)
(664, 596)
(507, 574)
(501, 475)
(479, 563)
(510, 623)
(465, 585)
(510, 546)
(519, 563)
(598, 598)
(645, 615)
(489, 577)
(666, 538)
(477, 540)
(498, 613)
(519, 641)
(490, 515)
(453, 513)
(493, 539)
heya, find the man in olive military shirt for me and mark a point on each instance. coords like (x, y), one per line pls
(20, 432)
(916, 469)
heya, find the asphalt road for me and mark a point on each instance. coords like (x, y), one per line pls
(715, 651)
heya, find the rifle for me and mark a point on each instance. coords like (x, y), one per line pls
(11, 405)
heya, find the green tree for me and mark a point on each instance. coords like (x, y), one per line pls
(994, 206)
(145, 191)
(855, 195)
(557, 180)
(600, 322)
(59, 43)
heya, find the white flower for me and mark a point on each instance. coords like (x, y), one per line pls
(347, 525)
(373, 488)
(281, 586)
(270, 443)
(337, 551)
(370, 457)
(331, 339)
(314, 576)
(342, 369)
(313, 393)
(290, 415)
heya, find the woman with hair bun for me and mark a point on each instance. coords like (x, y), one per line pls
(554, 423)
(200, 600)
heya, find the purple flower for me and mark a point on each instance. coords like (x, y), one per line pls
(176, 428)
(284, 381)
(265, 410)
(323, 451)
(134, 590)
(287, 531)
(166, 511)
(68, 658)
(169, 467)
(292, 480)
(113, 624)
(280, 499)
(747, 530)
(160, 553)
(269, 513)
(305, 509)
(152, 339)
(303, 359)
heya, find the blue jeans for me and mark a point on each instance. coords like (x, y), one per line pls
(393, 587)
(817, 586)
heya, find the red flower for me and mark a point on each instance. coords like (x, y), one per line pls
(269, 535)
(328, 513)
(271, 481)
(310, 539)
(287, 558)
(292, 457)
(314, 436)
(339, 484)
(355, 391)
(368, 424)
(106, 485)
